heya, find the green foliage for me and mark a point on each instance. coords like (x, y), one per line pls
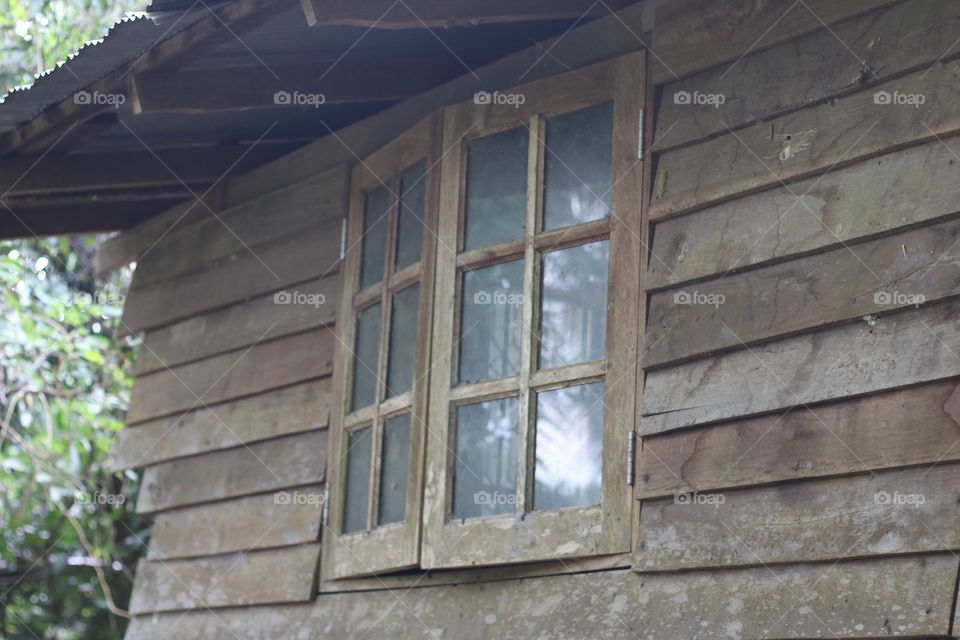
(63, 392)
(35, 35)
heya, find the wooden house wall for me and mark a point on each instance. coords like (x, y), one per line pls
(791, 408)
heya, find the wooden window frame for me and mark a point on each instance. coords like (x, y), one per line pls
(534, 536)
(396, 546)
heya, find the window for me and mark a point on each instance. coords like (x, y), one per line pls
(377, 426)
(535, 336)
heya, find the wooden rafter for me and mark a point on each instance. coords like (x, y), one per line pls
(259, 87)
(416, 14)
(52, 173)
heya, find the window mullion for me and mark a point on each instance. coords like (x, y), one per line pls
(529, 316)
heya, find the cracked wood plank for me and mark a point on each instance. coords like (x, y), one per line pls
(271, 465)
(878, 276)
(891, 512)
(918, 425)
(827, 63)
(812, 140)
(871, 197)
(893, 351)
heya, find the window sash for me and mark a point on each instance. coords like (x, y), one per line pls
(395, 546)
(572, 531)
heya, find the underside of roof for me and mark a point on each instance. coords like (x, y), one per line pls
(170, 102)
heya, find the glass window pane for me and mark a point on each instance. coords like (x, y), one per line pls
(485, 469)
(490, 320)
(357, 493)
(569, 447)
(577, 166)
(573, 316)
(496, 188)
(403, 341)
(365, 357)
(393, 474)
(413, 190)
(375, 216)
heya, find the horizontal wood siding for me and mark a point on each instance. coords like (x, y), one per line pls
(265, 466)
(297, 408)
(231, 399)
(308, 254)
(274, 519)
(808, 141)
(234, 579)
(902, 189)
(889, 41)
(846, 436)
(800, 412)
(263, 366)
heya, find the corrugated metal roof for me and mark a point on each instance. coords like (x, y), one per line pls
(125, 40)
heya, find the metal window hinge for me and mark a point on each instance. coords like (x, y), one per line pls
(343, 238)
(326, 504)
(631, 455)
(642, 132)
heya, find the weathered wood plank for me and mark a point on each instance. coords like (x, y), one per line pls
(808, 141)
(893, 512)
(827, 63)
(919, 425)
(265, 466)
(308, 306)
(903, 270)
(126, 247)
(243, 372)
(696, 34)
(871, 197)
(893, 351)
(311, 253)
(300, 206)
(420, 14)
(236, 579)
(894, 597)
(275, 519)
(300, 407)
(255, 87)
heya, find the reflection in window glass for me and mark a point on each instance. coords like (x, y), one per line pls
(365, 357)
(490, 317)
(403, 341)
(496, 188)
(569, 447)
(375, 210)
(573, 316)
(358, 480)
(413, 189)
(485, 468)
(393, 474)
(577, 166)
